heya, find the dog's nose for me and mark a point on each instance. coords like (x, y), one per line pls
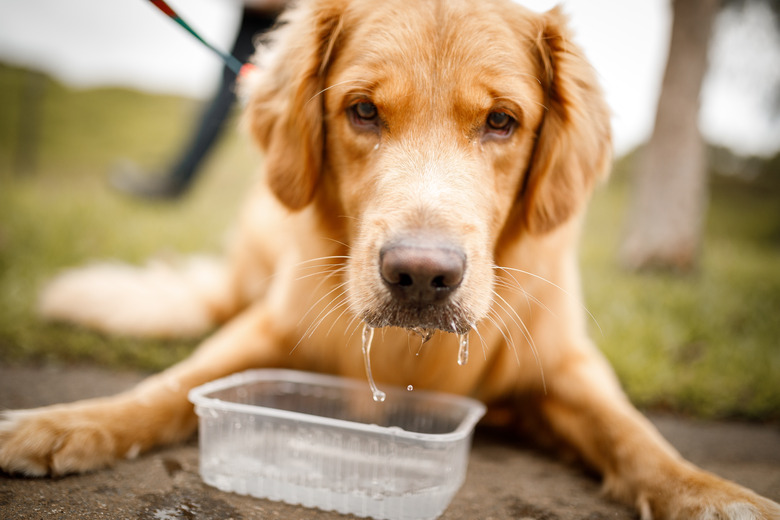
(418, 272)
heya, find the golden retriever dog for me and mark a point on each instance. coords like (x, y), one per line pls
(427, 165)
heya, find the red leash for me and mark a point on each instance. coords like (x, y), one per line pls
(230, 61)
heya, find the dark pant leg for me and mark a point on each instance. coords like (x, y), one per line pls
(213, 119)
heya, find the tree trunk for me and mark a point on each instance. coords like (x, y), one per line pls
(669, 200)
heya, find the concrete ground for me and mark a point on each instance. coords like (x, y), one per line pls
(505, 480)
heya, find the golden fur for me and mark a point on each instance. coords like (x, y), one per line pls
(435, 164)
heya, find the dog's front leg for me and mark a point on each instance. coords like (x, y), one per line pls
(93, 433)
(586, 407)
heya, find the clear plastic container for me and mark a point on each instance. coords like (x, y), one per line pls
(321, 441)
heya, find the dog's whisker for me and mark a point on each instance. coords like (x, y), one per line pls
(329, 309)
(346, 309)
(321, 298)
(339, 242)
(508, 337)
(515, 317)
(324, 267)
(352, 320)
(534, 275)
(481, 341)
(306, 271)
(332, 269)
(325, 279)
(323, 262)
(514, 284)
(510, 340)
(329, 272)
(344, 303)
(320, 258)
(297, 344)
(506, 307)
(338, 287)
(493, 317)
(518, 321)
(517, 287)
(354, 324)
(323, 315)
(564, 291)
(315, 304)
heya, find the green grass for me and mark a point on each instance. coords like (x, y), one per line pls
(62, 212)
(704, 344)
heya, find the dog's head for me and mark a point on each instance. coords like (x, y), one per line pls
(432, 129)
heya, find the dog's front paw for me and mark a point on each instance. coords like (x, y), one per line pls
(703, 496)
(53, 441)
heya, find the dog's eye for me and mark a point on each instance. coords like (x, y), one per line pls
(365, 110)
(364, 114)
(500, 123)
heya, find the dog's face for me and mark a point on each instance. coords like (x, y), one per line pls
(435, 130)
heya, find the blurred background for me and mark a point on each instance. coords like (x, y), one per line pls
(681, 255)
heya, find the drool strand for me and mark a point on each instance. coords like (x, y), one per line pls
(463, 350)
(368, 336)
(425, 334)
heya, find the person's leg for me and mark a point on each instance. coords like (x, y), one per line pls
(210, 127)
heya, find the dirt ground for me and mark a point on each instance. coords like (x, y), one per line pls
(505, 480)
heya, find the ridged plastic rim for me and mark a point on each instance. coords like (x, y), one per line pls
(198, 396)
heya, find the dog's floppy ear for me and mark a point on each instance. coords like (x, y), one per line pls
(284, 110)
(573, 148)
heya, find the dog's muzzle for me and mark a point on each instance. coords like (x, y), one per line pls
(421, 275)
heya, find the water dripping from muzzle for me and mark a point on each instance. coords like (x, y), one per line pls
(425, 334)
(368, 336)
(463, 349)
